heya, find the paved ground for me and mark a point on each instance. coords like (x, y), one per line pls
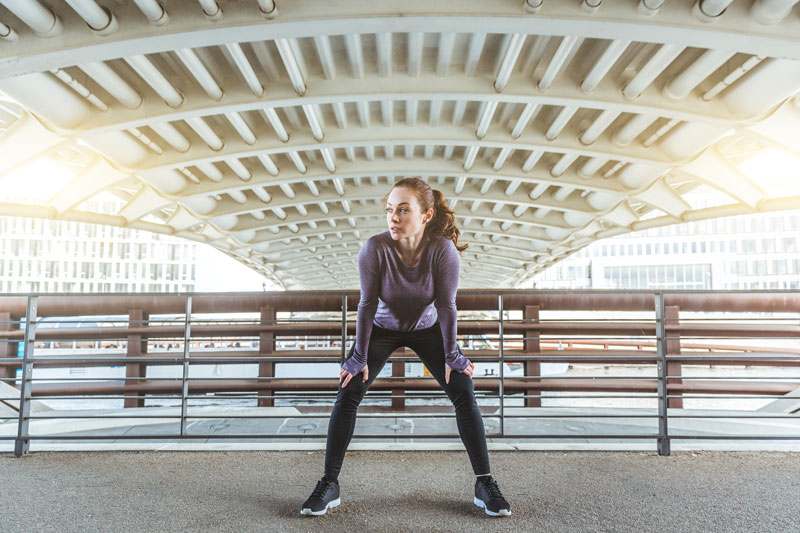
(399, 491)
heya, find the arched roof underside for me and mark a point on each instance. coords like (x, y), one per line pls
(272, 132)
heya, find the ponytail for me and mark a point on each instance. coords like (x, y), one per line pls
(444, 221)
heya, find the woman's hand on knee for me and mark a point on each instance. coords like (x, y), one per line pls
(468, 370)
(347, 376)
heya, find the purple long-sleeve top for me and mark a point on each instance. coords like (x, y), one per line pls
(398, 297)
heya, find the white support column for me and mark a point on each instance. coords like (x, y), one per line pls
(241, 127)
(506, 67)
(39, 18)
(414, 53)
(150, 74)
(655, 66)
(474, 53)
(446, 42)
(112, 82)
(292, 66)
(694, 74)
(355, 55)
(771, 11)
(566, 49)
(245, 68)
(633, 128)
(200, 72)
(525, 117)
(560, 122)
(98, 18)
(275, 121)
(323, 46)
(485, 119)
(169, 133)
(383, 42)
(205, 132)
(153, 11)
(603, 121)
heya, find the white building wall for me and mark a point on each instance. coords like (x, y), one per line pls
(55, 256)
(745, 252)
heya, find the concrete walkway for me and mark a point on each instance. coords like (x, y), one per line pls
(399, 491)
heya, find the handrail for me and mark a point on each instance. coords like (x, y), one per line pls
(666, 340)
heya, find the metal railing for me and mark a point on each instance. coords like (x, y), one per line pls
(758, 329)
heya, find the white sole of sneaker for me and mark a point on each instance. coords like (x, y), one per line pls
(480, 504)
(331, 505)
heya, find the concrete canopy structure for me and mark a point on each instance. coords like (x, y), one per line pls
(272, 131)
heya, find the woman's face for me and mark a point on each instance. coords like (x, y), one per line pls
(404, 215)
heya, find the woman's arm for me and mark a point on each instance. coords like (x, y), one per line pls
(446, 270)
(369, 273)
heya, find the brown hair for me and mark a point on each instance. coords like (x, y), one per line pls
(444, 219)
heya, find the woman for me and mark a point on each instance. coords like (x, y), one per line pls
(409, 276)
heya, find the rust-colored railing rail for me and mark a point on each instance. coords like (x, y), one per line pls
(678, 331)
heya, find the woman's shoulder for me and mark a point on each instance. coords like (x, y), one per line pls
(443, 244)
(379, 239)
(375, 242)
(442, 250)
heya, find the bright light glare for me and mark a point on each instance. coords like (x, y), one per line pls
(775, 171)
(35, 182)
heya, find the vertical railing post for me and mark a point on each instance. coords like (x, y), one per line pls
(187, 335)
(22, 442)
(136, 347)
(266, 346)
(8, 349)
(532, 343)
(501, 352)
(399, 371)
(663, 443)
(674, 368)
(344, 328)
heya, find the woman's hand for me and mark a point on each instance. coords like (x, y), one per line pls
(468, 370)
(348, 376)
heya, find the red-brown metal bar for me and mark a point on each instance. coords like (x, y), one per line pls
(532, 344)
(399, 371)
(7, 349)
(517, 384)
(137, 347)
(266, 346)
(538, 336)
(673, 347)
(468, 299)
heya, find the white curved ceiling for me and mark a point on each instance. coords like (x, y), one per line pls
(271, 132)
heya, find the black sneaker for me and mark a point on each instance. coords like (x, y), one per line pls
(324, 496)
(489, 498)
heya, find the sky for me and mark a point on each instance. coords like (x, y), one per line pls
(216, 272)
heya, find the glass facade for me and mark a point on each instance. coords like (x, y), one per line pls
(659, 277)
(39, 255)
(760, 251)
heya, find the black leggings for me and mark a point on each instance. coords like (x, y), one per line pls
(428, 345)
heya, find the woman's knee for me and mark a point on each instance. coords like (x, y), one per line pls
(353, 393)
(461, 391)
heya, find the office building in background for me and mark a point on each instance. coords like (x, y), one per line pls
(39, 255)
(759, 251)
